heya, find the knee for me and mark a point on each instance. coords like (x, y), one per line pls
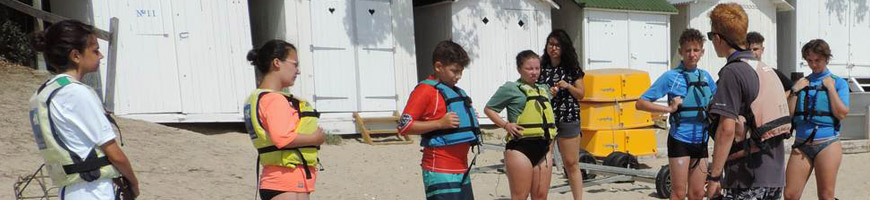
(572, 166)
(519, 194)
(697, 194)
(539, 195)
(678, 191)
(826, 194)
(678, 195)
(792, 195)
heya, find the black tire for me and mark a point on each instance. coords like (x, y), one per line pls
(621, 159)
(663, 182)
(586, 157)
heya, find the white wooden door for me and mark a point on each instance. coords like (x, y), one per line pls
(521, 31)
(375, 50)
(859, 45)
(486, 48)
(648, 43)
(335, 75)
(148, 71)
(607, 40)
(834, 27)
(206, 34)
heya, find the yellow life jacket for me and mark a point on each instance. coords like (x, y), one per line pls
(537, 117)
(269, 154)
(63, 166)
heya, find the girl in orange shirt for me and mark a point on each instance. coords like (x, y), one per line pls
(279, 119)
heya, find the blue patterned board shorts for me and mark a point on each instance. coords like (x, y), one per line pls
(758, 193)
(444, 186)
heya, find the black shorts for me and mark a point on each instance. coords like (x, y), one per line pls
(266, 194)
(678, 148)
(535, 149)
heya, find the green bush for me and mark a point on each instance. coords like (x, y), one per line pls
(333, 139)
(15, 44)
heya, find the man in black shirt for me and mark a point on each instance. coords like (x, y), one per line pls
(755, 42)
(752, 177)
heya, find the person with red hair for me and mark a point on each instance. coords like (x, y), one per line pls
(758, 174)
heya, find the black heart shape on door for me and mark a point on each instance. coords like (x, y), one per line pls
(331, 10)
(371, 11)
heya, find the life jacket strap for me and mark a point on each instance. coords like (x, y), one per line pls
(314, 114)
(458, 99)
(540, 125)
(87, 165)
(274, 148)
(476, 131)
(774, 124)
(698, 84)
(698, 109)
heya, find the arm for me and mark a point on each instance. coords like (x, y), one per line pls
(420, 127)
(838, 107)
(280, 120)
(511, 128)
(492, 115)
(722, 146)
(793, 93)
(576, 90)
(121, 163)
(302, 140)
(646, 105)
(660, 88)
(792, 102)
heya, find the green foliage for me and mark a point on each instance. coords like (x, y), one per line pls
(333, 139)
(15, 44)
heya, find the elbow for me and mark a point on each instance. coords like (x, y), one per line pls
(842, 114)
(726, 132)
(118, 159)
(644, 105)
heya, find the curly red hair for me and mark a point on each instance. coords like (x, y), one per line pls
(729, 21)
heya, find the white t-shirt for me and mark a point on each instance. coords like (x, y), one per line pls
(81, 123)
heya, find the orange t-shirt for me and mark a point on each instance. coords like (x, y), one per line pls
(279, 120)
(425, 104)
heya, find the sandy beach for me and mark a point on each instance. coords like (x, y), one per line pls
(217, 161)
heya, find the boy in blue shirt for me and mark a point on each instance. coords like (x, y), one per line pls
(689, 90)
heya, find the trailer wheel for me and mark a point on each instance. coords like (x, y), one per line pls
(586, 157)
(663, 182)
(621, 159)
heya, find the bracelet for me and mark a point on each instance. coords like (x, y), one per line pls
(714, 178)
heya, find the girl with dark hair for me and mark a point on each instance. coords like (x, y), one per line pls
(818, 102)
(282, 127)
(529, 126)
(560, 70)
(71, 128)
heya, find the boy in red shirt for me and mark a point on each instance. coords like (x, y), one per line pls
(442, 114)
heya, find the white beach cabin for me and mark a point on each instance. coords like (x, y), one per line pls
(355, 55)
(178, 61)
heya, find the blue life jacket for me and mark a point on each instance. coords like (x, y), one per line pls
(458, 102)
(815, 108)
(698, 96)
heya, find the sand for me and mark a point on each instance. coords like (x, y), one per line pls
(216, 161)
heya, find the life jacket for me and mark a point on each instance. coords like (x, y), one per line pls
(269, 154)
(537, 117)
(458, 102)
(64, 166)
(815, 109)
(767, 118)
(698, 96)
